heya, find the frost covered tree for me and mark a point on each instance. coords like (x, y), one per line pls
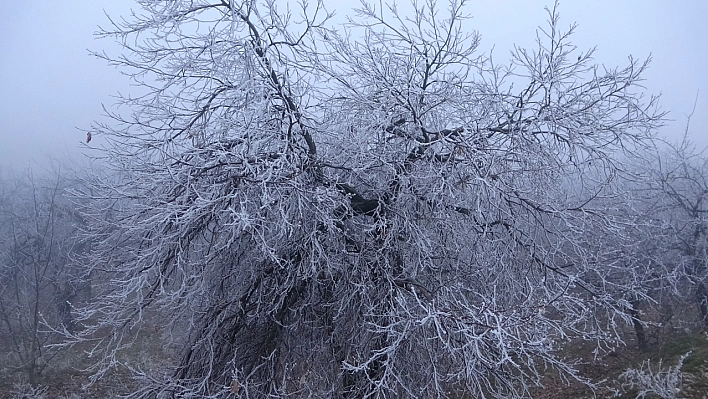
(369, 210)
(39, 282)
(676, 190)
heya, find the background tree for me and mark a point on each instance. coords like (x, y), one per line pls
(39, 283)
(648, 282)
(372, 212)
(677, 194)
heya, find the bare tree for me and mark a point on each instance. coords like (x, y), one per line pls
(646, 280)
(677, 194)
(38, 282)
(377, 211)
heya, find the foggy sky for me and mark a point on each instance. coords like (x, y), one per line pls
(50, 87)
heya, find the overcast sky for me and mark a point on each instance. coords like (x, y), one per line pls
(50, 87)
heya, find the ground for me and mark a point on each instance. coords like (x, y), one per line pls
(65, 380)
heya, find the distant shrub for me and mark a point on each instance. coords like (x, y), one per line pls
(665, 383)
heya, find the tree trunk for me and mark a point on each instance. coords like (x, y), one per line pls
(702, 299)
(638, 326)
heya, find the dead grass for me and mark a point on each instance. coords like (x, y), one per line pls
(67, 375)
(668, 346)
(65, 378)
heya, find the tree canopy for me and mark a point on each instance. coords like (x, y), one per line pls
(366, 210)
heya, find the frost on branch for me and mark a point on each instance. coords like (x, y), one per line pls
(665, 383)
(374, 211)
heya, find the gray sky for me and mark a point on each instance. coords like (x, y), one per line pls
(50, 86)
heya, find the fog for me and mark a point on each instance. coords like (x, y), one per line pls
(402, 231)
(51, 88)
